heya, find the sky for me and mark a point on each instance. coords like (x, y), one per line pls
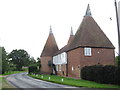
(25, 24)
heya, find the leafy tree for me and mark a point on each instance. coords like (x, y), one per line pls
(20, 58)
(32, 62)
(5, 62)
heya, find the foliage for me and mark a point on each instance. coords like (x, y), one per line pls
(32, 62)
(33, 69)
(13, 72)
(20, 58)
(38, 63)
(72, 82)
(0, 60)
(102, 74)
(118, 60)
(5, 62)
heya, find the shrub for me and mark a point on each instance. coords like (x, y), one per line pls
(33, 69)
(102, 74)
(117, 76)
(109, 74)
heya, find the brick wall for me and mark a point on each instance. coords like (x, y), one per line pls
(44, 65)
(63, 70)
(73, 63)
(77, 60)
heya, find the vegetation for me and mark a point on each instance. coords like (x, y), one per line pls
(101, 74)
(5, 63)
(17, 60)
(20, 58)
(0, 60)
(13, 72)
(3, 79)
(4, 83)
(118, 60)
(38, 63)
(33, 69)
(73, 82)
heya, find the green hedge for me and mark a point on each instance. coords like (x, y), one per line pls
(33, 69)
(101, 74)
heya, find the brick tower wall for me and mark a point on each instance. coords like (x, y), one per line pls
(77, 59)
(44, 65)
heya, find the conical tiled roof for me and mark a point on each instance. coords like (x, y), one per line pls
(89, 34)
(50, 47)
(65, 48)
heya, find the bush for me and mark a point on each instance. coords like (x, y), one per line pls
(101, 74)
(118, 60)
(117, 76)
(33, 69)
(109, 74)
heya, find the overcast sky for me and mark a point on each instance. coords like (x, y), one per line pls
(24, 24)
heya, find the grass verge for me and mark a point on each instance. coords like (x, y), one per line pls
(72, 82)
(3, 82)
(13, 72)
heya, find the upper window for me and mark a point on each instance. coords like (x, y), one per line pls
(87, 52)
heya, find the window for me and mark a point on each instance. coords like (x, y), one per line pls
(87, 52)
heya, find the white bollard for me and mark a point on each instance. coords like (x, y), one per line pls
(62, 79)
(49, 78)
(41, 76)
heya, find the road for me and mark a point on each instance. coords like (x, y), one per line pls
(23, 81)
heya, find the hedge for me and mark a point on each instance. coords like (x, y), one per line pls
(33, 69)
(102, 74)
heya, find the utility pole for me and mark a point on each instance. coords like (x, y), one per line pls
(117, 18)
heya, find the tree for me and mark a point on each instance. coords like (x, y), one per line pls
(20, 58)
(5, 62)
(32, 62)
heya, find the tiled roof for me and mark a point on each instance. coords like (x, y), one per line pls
(50, 47)
(89, 34)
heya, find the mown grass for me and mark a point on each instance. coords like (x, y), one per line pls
(12, 72)
(73, 82)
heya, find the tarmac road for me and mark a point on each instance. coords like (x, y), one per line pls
(23, 81)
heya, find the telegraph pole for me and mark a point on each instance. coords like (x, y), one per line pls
(117, 18)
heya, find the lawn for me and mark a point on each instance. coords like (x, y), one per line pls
(73, 82)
